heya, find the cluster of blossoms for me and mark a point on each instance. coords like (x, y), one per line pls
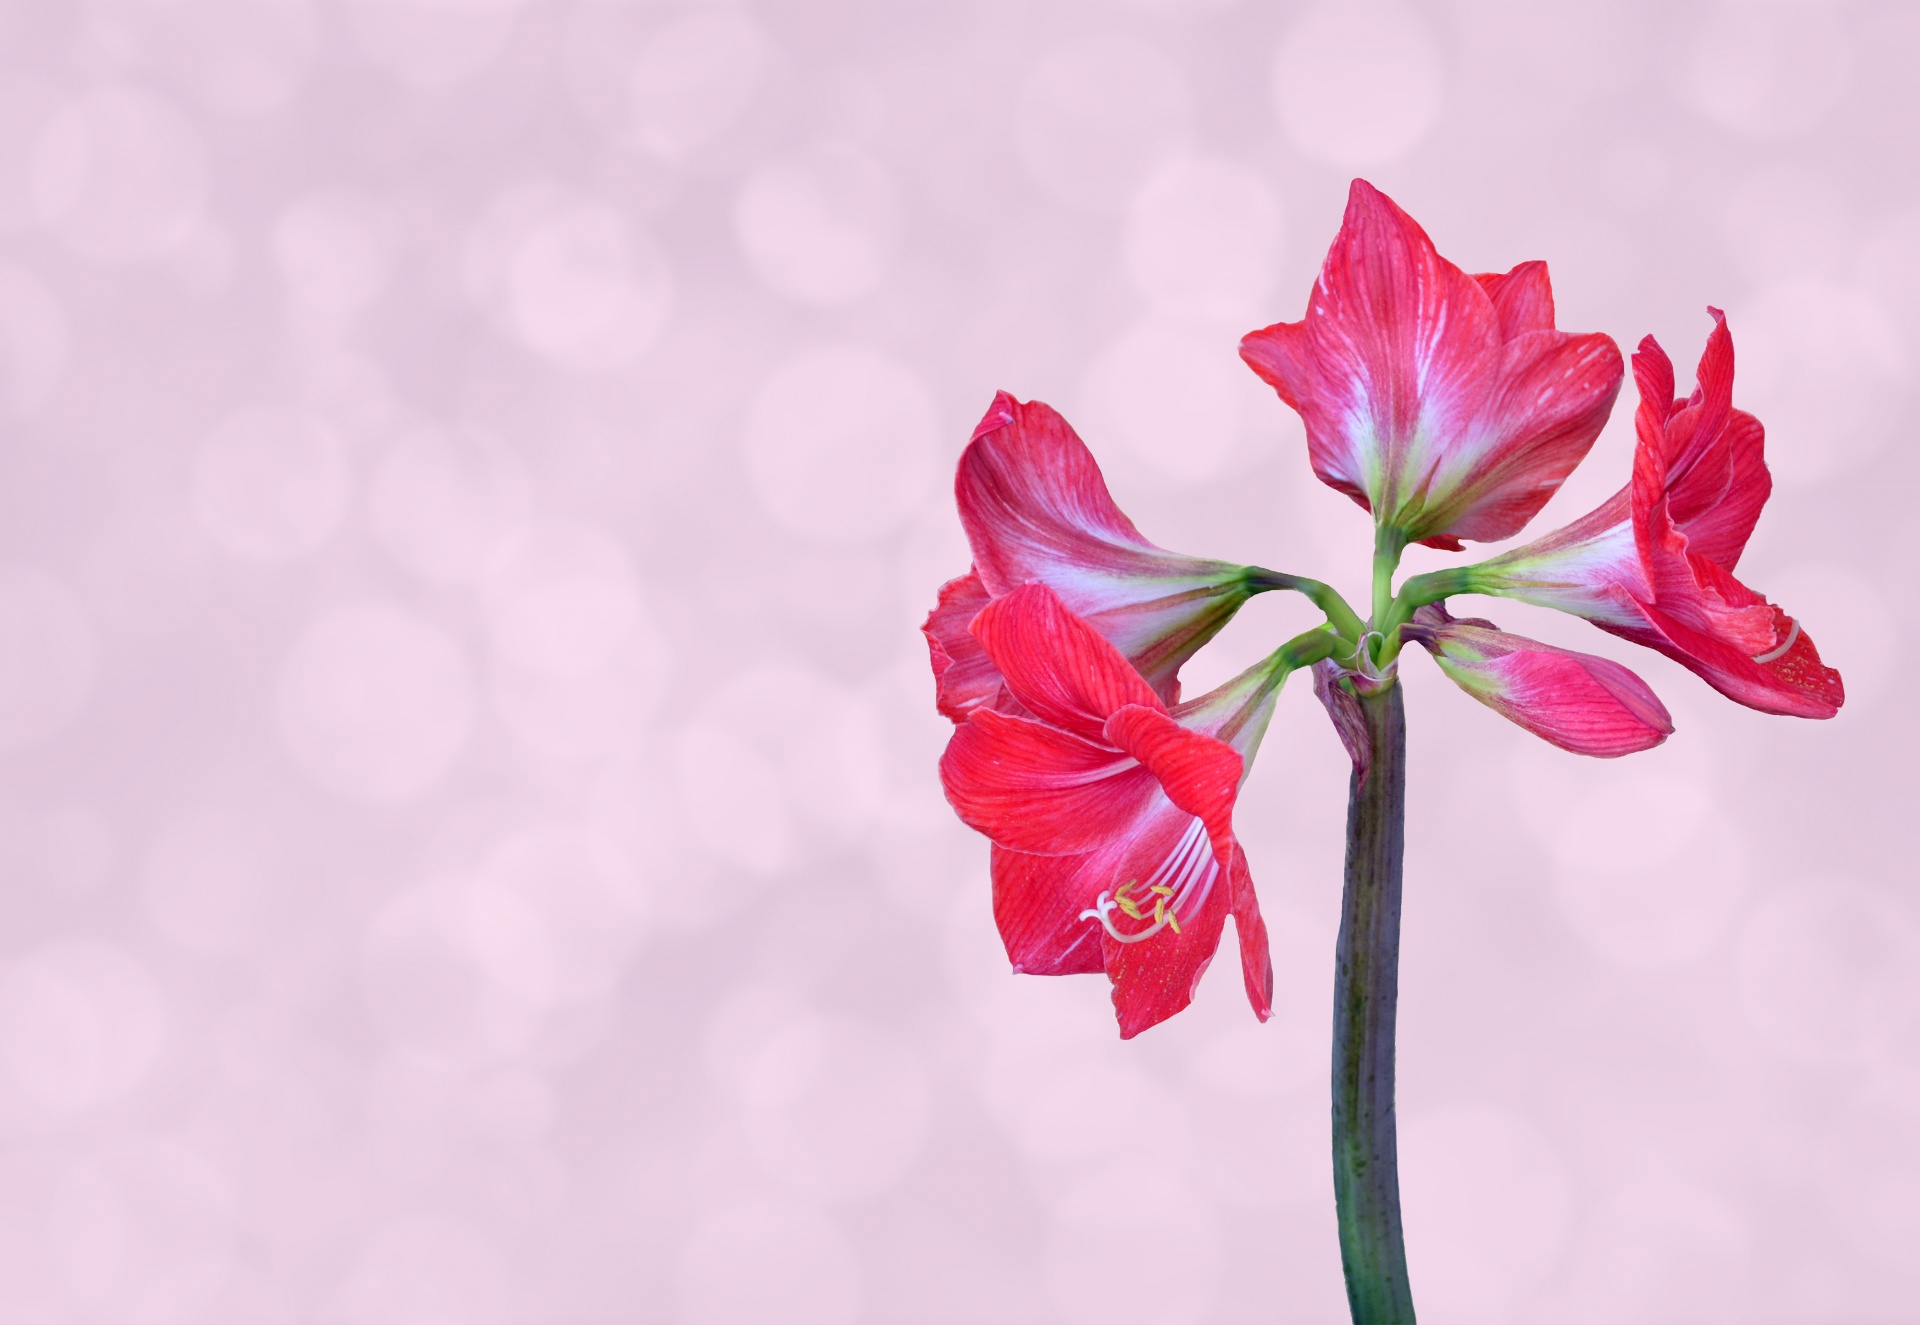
(1448, 406)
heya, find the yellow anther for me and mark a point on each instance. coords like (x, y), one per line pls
(1173, 923)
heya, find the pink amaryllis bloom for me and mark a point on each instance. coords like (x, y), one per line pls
(1444, 403)
(1111, 814)
(1036, 510)
(1589, 705)
(1654, 563)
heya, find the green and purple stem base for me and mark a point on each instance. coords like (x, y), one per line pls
(1366, 1174)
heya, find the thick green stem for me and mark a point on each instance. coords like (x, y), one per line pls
(1388, 544)
(1366, 1175)
(1323, 596)
(1420, 590)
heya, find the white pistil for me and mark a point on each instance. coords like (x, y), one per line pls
(1781, 650)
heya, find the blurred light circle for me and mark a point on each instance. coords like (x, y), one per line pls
(1204, 238)
(240, 57)
(564, 602)
(694, 78)
(1767, 69)
(1820, 365)
(1494, 1202)
(270, 484)
(1132, 1248)
(449, 505)
(332, 258)
(836, 1110)
(554, 915)
(1063, 1107)
(761, 1261)
(825, 737)
(81, 1024)
(1825, 971)
(1658, 896)
(429, 1269)
(374, 703)
(119, 174)
(1357, 85)
(144, 1231)
(1644, 1244)
(1096, 116)
(734, 798)
(419, 979)
(47, 657)
(818, 228)
(1176, 401)
(209, 883)
(586, 292)
(1782, 223)
(840, 444)
(431, 43)
(34, 339)
(1264, 1154)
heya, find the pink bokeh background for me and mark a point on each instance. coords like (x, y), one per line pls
(471, 472)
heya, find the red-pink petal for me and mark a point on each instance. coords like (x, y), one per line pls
(1057, 664)
(1036, 509)
(1446, 416)
(1256, 959)
(964, 676)
(1038, 903)
(1793, 683)
(1155, 978)
(1198, 773)
(1522, 298)
(1036, 788)
(1579, 702)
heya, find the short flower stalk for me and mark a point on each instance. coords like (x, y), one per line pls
(1451, 409)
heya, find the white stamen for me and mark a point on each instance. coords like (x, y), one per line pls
(1189, 866)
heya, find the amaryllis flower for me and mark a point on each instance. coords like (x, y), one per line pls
(1111, 814)
(1589, 705)
(1654, 563)
(1036, 510)
(1444, 403)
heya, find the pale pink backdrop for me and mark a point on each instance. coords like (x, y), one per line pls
(470, 475)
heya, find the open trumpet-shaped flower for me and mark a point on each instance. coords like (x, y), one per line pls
(1036, 510)
(1589, 705)
(1654, 563)
(1444, 403)
(1111, 814)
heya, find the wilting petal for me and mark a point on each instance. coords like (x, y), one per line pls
(1443, 403)
(1056, 663)
(1036, 509)
(964, 677)
(1037, 788)
(1589, 705)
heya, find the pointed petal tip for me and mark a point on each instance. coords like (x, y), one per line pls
(999, 414)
